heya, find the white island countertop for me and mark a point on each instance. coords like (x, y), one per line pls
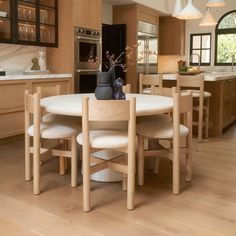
(26, 77)
(213, 76)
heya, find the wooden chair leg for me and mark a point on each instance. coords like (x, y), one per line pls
(27, 158)
(140, 160)
(156, 165)
(176, 167)
(36, 166)
(74, 162)
(131, 179)
(207, 119)
(62, 169)
(124, 182)
(86, 180)
(188, 164)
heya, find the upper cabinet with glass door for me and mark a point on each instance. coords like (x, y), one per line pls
(5, 21)
(48, 21)
(33, 22)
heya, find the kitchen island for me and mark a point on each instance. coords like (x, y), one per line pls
(222, 86)
(12, 90)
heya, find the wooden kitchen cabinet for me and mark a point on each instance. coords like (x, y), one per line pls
(12, 101)
(87, 13)
(171, 36)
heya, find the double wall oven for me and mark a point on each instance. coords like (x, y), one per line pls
(87, 59)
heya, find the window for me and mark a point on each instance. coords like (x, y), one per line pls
(225, 39)
(200, 44)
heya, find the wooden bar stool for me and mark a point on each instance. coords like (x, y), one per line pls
(195, 84)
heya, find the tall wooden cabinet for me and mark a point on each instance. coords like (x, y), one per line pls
(171, 36)
(87, 13)
(130, 15)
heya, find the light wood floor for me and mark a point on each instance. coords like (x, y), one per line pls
(206, 207)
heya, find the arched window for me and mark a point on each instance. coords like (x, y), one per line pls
(225, 46)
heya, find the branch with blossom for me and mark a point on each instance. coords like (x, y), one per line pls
(112, 61)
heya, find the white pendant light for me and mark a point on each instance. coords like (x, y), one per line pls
(215, 3)
(178, 8)
(190, 12)
(208, 19)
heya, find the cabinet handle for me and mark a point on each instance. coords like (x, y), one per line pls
(230, 80)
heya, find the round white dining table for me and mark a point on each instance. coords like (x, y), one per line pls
(71, 105)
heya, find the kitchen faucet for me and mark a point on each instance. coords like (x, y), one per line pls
(199, 59)
(233, 62)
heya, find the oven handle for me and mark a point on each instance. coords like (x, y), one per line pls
(87, 38)
(88, 70)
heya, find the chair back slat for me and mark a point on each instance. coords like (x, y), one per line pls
(149, 81)
(49, 91)
(126, 88)
(107, 110)
(186, 103)
(193, 81)
(29, 102)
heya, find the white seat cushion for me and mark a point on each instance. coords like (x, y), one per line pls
(49, 117)
(157, 118)
(51, 130)
(159, 130)
(196, 93)
(106, 139)
(147, 91)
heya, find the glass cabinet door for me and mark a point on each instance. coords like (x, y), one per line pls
(5, 20)
(47, 16)
(26, 20)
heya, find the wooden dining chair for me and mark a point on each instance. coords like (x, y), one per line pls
(111, 139)
(147, 83)
(195, 84)
(182, 104)
(49, 91)
(38, 130)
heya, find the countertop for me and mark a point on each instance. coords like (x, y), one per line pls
(25, 77)
(213, 76)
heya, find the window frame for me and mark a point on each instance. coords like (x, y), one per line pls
(222, 31)
(201, 49)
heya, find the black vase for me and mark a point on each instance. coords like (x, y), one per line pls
(103, 90)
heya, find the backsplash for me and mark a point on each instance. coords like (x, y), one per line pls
(169, 64)
(17, 58)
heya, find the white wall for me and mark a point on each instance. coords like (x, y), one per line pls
(192, 26)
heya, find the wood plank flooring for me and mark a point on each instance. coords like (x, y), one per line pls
(205, 207)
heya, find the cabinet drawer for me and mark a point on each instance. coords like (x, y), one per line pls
(12, 95)
(11, 124)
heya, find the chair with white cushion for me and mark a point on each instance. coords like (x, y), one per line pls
(169, 131)
(147, 83)
(93, 140)
(39, 130)
(195, 84)
(48, 91)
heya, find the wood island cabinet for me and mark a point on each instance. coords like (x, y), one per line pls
(87, 13)
(171, 36)
(12, 101)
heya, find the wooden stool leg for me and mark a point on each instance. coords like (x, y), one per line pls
(27, 158)
(207, 119)
(156, 165)
(140, 160)
(176, 166)
(200, 121)
(74, 162)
